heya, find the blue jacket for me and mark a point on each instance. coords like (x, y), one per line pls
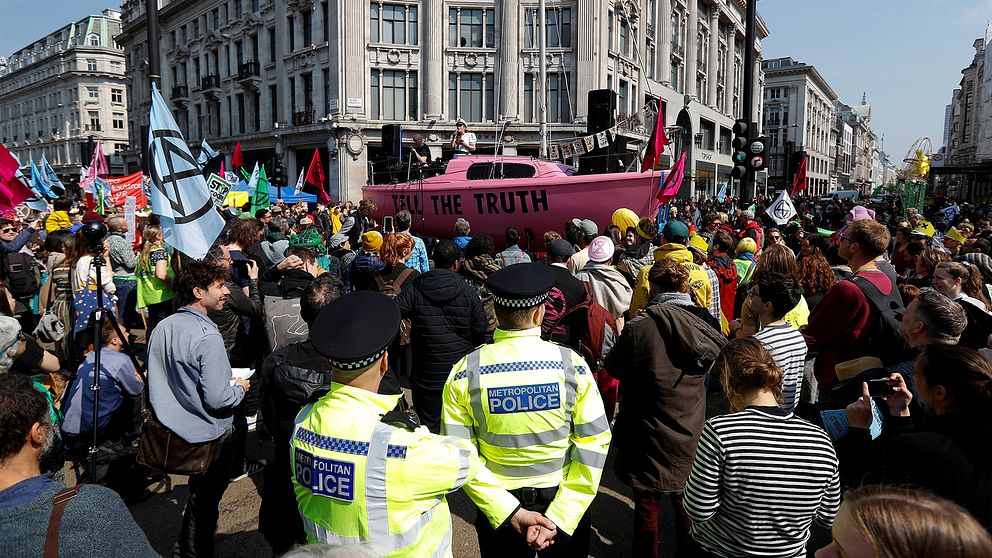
(116, 375)
(19, 241)
(189, 377)
(418, 258)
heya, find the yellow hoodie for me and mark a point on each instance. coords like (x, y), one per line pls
(699, 282)
(58, 220)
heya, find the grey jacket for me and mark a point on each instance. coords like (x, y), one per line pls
(189, 377)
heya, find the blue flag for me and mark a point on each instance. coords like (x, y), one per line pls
(38, 181)
(206, 153)
(55, 186)
(722, 194)
(179, 193)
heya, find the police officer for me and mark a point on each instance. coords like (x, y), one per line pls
(361, 481)
(533, 410)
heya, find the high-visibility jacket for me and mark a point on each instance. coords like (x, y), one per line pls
(535, 413)
(699, 283)
(360, 481)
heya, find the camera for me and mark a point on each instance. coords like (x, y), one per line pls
(93, 233)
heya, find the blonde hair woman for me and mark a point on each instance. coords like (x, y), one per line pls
(155, 276)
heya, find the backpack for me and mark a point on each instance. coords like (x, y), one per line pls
(20, 272)
(392, 289)
(883, 335)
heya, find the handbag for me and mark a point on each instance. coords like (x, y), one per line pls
(162, 450)
(50, 328)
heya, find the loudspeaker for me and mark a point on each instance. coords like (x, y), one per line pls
(602, 110)
(392, 141)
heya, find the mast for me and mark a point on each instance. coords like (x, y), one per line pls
(543, 75)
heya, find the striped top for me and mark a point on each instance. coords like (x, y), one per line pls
(760, 478)
(788, 348)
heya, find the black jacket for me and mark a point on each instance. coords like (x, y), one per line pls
(448, 320)
(292, 284)
(234, 328)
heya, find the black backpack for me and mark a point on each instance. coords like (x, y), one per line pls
(883, 336)
(20, 273)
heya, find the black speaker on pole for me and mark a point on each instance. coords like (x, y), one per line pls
(392, 142)
(601, 116)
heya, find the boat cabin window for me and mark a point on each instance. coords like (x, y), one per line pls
(484, 171)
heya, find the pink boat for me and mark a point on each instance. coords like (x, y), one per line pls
(532, 194)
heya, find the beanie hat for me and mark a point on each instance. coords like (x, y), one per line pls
(372, 240)
(676, 231)
(624, 218)
(601, 249)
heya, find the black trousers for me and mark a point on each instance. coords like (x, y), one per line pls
(427, 404)
(494, 543)
(196, 537)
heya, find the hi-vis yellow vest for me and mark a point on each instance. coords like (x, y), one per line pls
(361, 482)
(535, 413)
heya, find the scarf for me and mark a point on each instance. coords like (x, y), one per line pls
(680, 299)
(747, 256)
(480, 267)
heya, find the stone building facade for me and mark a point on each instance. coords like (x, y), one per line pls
(64, 92)
(285, 78)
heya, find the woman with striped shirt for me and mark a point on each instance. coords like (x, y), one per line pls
(761, 475)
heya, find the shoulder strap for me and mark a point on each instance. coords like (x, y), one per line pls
(875, 297)
(59, 503)
(398, 282)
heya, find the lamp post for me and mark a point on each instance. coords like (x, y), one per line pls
(278, 163)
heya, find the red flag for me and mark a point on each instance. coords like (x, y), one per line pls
(799, 184)
(657, 143)
(221, 173)
(237, 160)
(13, 190)
(672, 182)
(315, 177)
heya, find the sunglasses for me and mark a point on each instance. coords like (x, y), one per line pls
(753, 291)
(8, 229)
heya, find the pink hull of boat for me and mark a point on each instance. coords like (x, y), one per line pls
(543, 201)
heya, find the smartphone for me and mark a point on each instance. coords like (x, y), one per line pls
(387, 224)
(881, 388)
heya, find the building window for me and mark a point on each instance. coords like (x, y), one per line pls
(558, 32)
(117, 96)
(90, 65)
(471, 28)
(118, 120)
(470, 96)
(120, 147)
(272, 44)
(92, 94)
(237, 8)
(115, 67)
(241, 112)
(254, 5)
(94, 40)
(326, 27)
(94, 119)
(623, 97)
(307, 28)
(394, 95)
(216, 18)
(291, 32)
(624, 37)
(196, 28)
(273, 105)
(394, 24)
(559, 103)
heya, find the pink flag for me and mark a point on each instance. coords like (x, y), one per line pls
(221, 174)
(315, 177)
(13, 190)
(657, 143)
(98, 167)
(672, 182)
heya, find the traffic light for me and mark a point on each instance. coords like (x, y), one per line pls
(279, 175)
(757, 155)
(740, 144)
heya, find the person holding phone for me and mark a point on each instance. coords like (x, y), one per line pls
(463, 141)
(945, 451)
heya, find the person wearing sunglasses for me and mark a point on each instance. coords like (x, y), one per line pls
(12, 239)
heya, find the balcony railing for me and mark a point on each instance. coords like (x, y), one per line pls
(180, 92)
(304, 117)
(210, 81)
(248, 70)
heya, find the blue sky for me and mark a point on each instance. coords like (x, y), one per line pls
(907, 54)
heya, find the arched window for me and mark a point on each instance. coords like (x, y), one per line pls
(94, 40)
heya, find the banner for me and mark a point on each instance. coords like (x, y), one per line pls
(218, 189)
(553, 152)
(180, 196)
(130, 204)
(590, 142)
(121, 187)
(603, 139)
(782, 210)
(579, 147)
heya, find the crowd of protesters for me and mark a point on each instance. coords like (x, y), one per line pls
(769, 380)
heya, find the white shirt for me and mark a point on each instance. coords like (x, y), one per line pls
(468, 137)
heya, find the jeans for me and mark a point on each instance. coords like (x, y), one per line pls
(196, 537)
(427, 404)
(647, 512)
(127, 301)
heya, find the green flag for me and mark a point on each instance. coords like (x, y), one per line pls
(260, 197)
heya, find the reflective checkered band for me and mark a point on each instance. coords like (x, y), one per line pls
(520, 367)
(520, 303)
(341, 445)
(358, 364)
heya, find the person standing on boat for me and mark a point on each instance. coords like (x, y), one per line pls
(420, 153)
(462, 141)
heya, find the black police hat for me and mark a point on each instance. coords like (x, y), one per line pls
(521, 285)
(355, 330)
